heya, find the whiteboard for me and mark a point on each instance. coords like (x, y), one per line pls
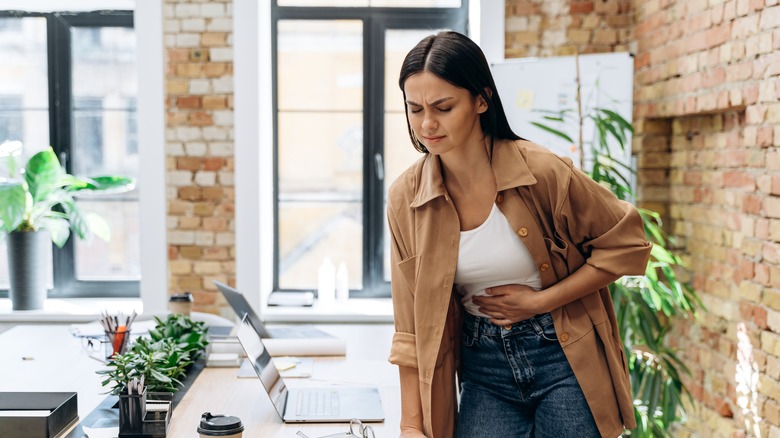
(529, 84)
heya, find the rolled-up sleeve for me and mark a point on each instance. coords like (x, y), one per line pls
(403, 350)
(608, 231)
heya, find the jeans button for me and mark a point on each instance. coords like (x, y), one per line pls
(508, 327)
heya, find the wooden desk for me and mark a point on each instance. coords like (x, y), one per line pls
(60, 364)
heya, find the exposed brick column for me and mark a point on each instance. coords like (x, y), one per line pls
(199, 142)
(566, 27)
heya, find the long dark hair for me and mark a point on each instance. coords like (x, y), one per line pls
(458, 60)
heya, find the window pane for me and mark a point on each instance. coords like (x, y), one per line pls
(24, 97)
(103, 143)
(311, 231)
(320, 149)
(399, 153)
(320, 65)
(329, 164)
(119, 258)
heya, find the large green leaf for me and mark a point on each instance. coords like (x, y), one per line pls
(58, 228)
(42, 173)
(12, 204)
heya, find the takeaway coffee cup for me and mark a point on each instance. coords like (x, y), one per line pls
(220, 425)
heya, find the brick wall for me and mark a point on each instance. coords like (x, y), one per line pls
(199, 148)
(566, 27)
(707, 122)
(708, 119)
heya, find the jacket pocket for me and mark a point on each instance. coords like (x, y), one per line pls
(559, 251)
(408, 270)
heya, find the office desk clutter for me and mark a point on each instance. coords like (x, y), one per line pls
(143, 414)
(117, 331)
(163, 358)
(224, 426)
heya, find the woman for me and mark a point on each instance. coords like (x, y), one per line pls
(525, 243)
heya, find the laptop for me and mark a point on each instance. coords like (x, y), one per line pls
(241, 306)
(307, 404)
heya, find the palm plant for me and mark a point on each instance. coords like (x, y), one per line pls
(646, 306)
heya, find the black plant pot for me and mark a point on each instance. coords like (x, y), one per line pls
(27, 268)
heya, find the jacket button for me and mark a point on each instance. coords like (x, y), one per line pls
(564, 337)
(522, 232)
(544, 267)
(499, 198)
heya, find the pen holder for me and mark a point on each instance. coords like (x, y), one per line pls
(132, 410)
(117, 342)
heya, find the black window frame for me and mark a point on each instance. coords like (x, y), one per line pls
(59, 64)
(376, 20)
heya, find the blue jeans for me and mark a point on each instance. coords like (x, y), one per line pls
(518, 383)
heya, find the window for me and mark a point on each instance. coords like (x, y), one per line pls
(341, 135)
(74, 79)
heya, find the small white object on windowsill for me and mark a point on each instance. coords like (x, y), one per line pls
(342, 283)
(326, 282)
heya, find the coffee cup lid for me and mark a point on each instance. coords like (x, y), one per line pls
(219, 425)
(186, 296)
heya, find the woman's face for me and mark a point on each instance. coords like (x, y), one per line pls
(443, 117)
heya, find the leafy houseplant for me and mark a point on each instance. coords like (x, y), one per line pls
(645, 306)
(163, 359)
(42, 200)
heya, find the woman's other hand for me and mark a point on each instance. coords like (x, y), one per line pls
(510, 303)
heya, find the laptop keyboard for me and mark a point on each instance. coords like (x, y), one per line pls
(317, 403)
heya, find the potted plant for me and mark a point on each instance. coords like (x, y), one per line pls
(38, 204)
(163, 358)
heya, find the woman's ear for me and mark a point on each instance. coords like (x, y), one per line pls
(482, 104)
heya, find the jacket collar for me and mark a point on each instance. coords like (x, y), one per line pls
(509, 166)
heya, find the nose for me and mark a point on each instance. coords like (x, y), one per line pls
(429, 123)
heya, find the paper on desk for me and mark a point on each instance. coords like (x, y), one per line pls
(98, 432)
(301, 367)
(306, 347)
(287, 346)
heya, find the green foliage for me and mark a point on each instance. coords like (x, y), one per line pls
(43, 198)
(190, 336)
(645, 306)
(173, 346)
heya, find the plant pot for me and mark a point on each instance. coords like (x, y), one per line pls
(27, 268)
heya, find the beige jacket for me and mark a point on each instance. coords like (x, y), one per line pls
(565, 219)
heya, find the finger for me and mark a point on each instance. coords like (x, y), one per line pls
(501, 322)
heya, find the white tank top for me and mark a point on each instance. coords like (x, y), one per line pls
(492, 255)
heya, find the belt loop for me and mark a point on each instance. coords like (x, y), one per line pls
(477, 327)
(537, 327)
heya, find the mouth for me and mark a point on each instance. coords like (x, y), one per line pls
(433, 139)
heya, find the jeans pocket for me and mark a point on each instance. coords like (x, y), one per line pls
(548, 333)
(467, 339)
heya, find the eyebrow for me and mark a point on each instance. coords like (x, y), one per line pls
(432, 103)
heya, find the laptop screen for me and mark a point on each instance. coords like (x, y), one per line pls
(262, 363)
(241, 306)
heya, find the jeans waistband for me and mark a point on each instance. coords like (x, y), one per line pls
(477, 326)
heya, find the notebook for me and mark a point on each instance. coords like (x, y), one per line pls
(301, 404)
(241, 306)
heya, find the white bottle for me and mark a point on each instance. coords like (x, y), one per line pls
(342, 283)
(326, 282)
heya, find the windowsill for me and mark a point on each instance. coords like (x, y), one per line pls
(361, 310)
(69, 310)
(79, 310)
